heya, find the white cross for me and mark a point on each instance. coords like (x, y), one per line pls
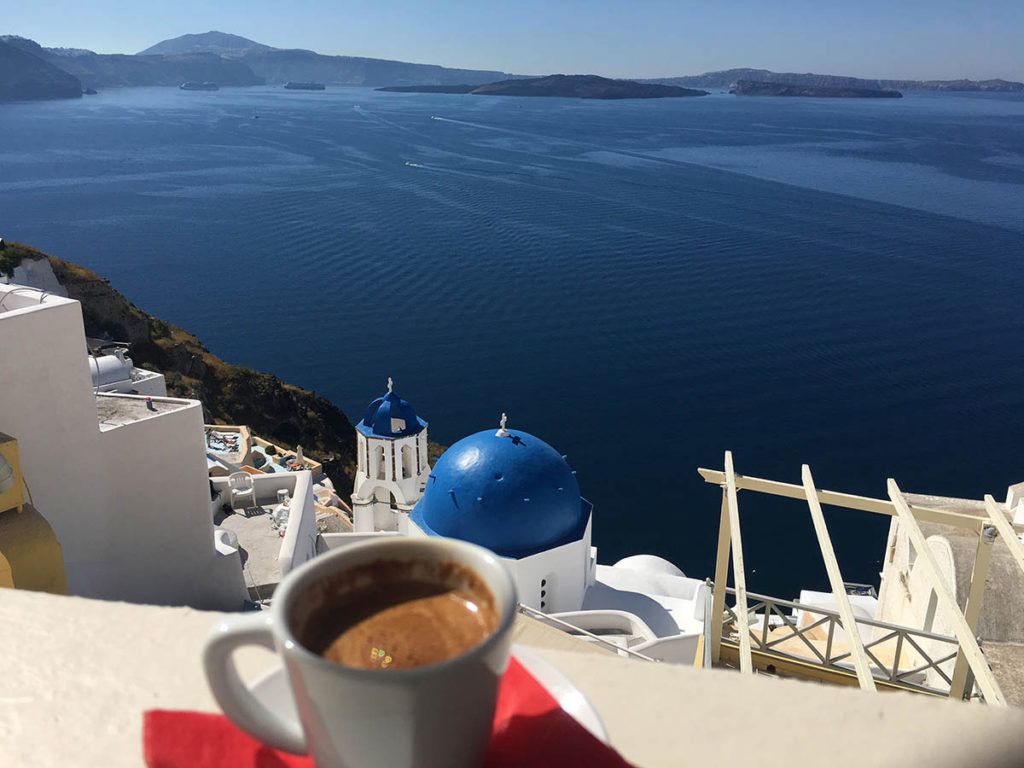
(391, 385)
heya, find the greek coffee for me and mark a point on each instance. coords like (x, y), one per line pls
(399, 615)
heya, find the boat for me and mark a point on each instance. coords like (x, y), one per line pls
(191, 85)
(304, 86)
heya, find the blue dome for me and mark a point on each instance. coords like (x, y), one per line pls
(391, 416)
(514, 495)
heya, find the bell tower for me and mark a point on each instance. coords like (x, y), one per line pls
(391, 467)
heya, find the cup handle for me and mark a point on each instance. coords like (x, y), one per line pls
(233, 696)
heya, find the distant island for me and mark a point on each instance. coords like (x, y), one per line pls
(753, 88)
(565, 86)
(231, 60)
(728, 78)
(24, 77)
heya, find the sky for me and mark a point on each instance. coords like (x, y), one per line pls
(915, 39)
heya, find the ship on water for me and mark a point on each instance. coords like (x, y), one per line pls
(191, 85)
(304, 86)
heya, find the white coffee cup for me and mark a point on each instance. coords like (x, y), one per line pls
(435, 716)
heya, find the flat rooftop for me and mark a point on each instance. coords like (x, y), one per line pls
(117, 410)
(260, 546)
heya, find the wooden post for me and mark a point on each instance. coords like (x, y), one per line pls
(968, 645)
(721, 581)
(738, 573)
(835, 578)
(1005, 530)
(982, 557)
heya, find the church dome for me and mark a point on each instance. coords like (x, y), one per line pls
(391, 416)
(508, 491)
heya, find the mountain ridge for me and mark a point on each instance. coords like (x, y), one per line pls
(229, 59)
(221, 43)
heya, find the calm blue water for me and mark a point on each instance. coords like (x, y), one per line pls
(642, 284)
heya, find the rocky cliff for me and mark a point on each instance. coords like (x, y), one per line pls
(230, 394)
(96, 70)
(24, 76)
(280, 66)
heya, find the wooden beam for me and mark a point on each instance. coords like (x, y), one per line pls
(1005, 530)
(975, 658)
(835, 578)
(721, 580)
(982, 557)
(738, 574)
(849, 501)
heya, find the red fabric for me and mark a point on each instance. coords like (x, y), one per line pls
(530, 729)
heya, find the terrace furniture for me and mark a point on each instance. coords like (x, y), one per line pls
(241, 486)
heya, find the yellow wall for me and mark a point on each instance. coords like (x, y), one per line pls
(30, 556)
(15, 497)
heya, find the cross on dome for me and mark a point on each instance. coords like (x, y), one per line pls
(391, 385)
(502, 432)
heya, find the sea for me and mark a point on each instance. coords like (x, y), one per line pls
(643, 284)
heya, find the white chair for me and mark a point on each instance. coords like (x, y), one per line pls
(241, 486)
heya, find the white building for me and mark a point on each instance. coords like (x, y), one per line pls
(121, 478)
(391, 465)
(513, 493)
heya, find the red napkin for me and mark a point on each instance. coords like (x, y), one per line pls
(530, 729)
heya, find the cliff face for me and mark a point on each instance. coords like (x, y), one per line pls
(100, 70)
(280, 66)
(112, 70)
(24, 76)
(230, 394)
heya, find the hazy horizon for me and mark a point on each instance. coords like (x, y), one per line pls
(945, 39)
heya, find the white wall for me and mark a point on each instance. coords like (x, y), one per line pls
(159, 523)
(340, 540)
(47, 404)
(566, 570)
(299, 543)
(130, 505)
(150, 383)
(370, 489)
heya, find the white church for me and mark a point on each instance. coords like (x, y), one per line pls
(511, 492)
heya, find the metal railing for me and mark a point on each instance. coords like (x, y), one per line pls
(572, 629)
(908, 643)
(970, 669)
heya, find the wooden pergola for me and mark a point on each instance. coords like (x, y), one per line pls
(970, 661)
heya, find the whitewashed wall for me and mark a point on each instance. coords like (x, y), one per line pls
(130, 506)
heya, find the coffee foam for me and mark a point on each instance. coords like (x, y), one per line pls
(393, 614)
